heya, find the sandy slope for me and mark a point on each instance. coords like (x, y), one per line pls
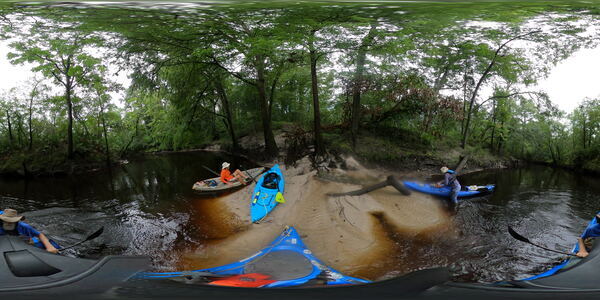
(349, 233)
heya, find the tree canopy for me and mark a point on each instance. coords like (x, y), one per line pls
(435, 75)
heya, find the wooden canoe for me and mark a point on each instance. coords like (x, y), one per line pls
(202, 187)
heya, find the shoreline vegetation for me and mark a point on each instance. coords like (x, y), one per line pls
(408, 87)
(397, 157)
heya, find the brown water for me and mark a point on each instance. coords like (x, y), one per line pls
(148, 208)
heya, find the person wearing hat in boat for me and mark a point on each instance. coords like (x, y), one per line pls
(585, 238)
(228, 178)
(451, 181)
(12, 225)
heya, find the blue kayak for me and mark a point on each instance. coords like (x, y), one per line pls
(567, 263)
(265, 192)
(36, 241)
(285, 262)
(469, 191)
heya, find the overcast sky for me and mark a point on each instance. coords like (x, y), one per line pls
(569, 82)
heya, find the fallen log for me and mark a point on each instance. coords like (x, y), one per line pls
(391, 180)
(461, 164)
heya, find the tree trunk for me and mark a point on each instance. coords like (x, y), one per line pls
(584, 132)
(30, 147)
(493, 127)
(270, 145)
(228, 116)
(68, 92)
(550, 147)
(213, 123)
(357, 83)
(319, 147)
(464, 110)
(471, 103)
(20, 131)
(107, 151)
(480, 82)
(501, 140)
(124, 150)
(10, 134)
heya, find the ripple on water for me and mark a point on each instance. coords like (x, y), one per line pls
(148, 208)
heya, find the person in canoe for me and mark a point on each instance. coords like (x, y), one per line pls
(450, 181)
(584, 241)
(228, 178)
(12, 225)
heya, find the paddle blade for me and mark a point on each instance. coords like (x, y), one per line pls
(95, 234)
(518, 236)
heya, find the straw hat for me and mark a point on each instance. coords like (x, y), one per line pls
(225, 165)
(10, 216)
(444, 169)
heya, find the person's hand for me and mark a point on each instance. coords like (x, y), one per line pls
(51, 249)
(582, 253)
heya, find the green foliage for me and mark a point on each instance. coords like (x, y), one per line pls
(216, 73)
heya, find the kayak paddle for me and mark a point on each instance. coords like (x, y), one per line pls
(521, 238)
(90, 237)
(211, 170)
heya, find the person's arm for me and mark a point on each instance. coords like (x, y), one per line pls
(47, 243)
(443, 182)
(582, 251)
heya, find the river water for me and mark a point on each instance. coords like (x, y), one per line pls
(148, 208)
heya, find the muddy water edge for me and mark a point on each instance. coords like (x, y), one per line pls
(147, 207)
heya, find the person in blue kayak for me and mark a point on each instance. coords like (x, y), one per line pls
(591, 232)
(450, 181)
(12, 225)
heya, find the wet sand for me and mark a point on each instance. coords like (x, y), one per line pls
(352, 234)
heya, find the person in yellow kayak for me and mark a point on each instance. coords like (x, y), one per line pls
(591, 232)
(12, 225)
(228, 178)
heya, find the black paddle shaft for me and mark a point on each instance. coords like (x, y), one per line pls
(521, 238)
(207, 168)
(92, 236)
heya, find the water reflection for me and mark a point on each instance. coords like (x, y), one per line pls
(148, 208)
(549, 206)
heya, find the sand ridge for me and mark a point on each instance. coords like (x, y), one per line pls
(347, 233)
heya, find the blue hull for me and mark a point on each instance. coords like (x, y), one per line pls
(445, 191)
(288, 241)
(263, 199)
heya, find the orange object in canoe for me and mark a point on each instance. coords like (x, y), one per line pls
(244, 280)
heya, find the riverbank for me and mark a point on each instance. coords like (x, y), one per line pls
(353, 234)
(404, 155)
(388, 154)
(51, 164)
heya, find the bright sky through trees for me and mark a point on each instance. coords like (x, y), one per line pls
(16, 75)
(574, 79)
(568, 84)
